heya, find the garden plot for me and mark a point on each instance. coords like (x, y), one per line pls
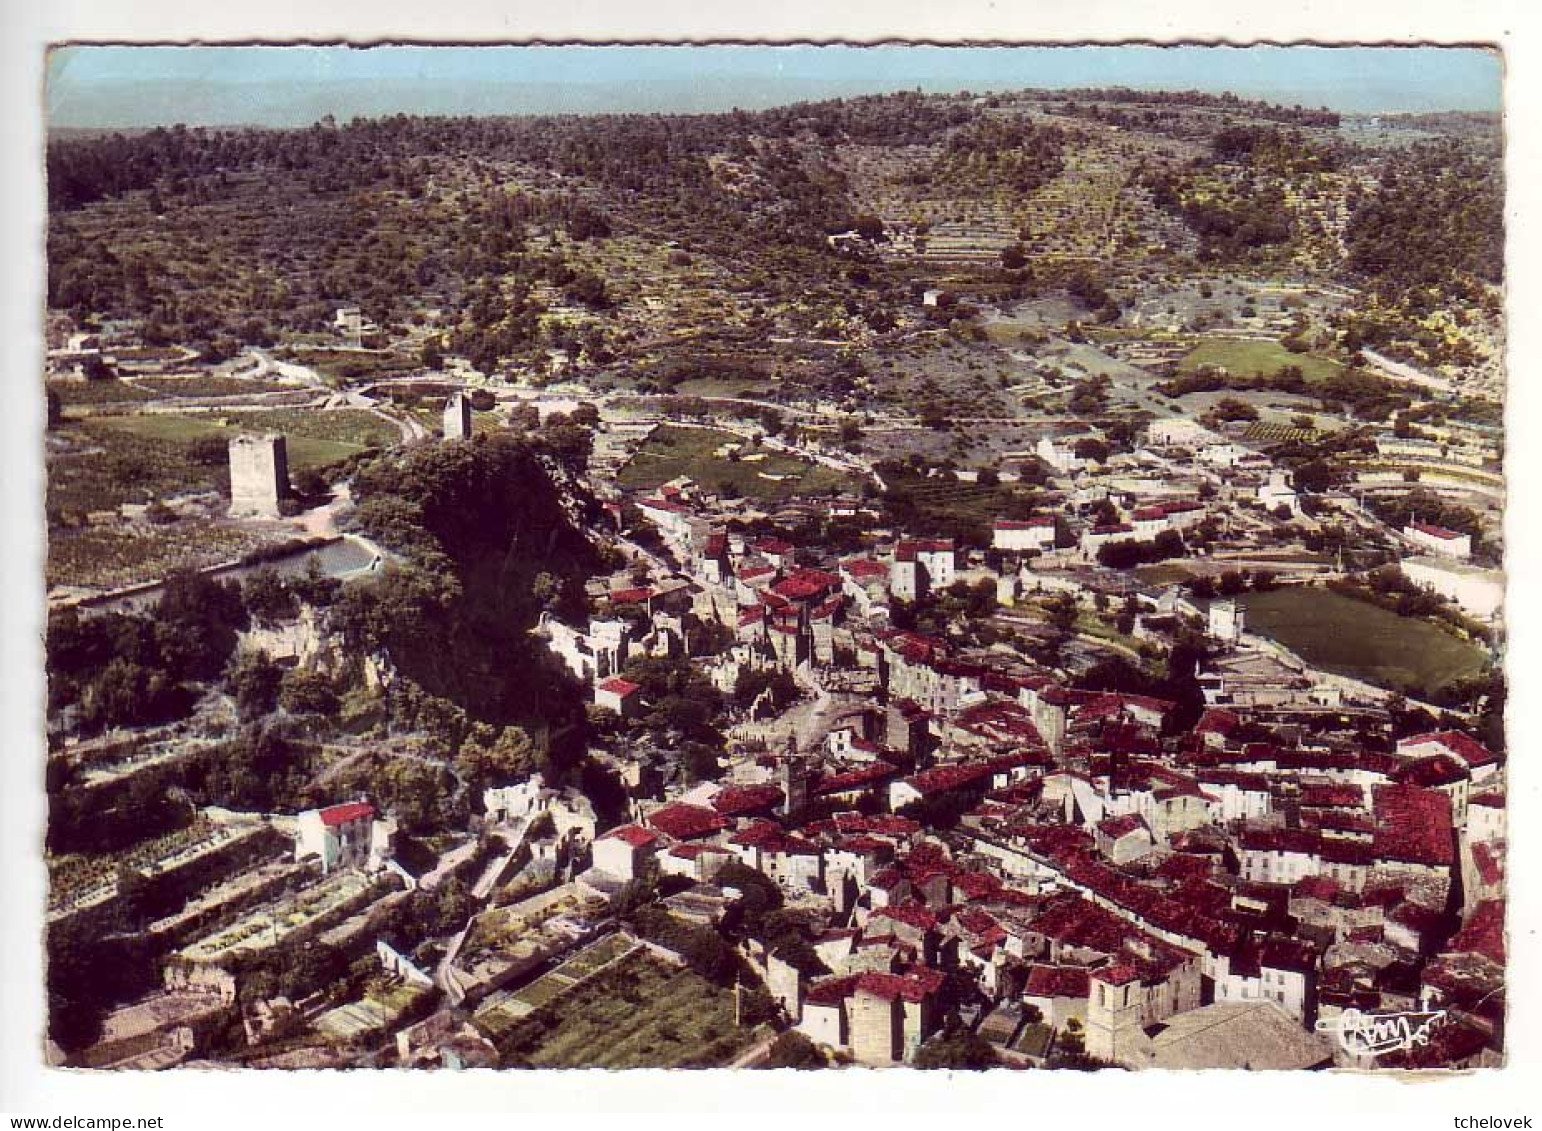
(270, 924)
(382, 1005)
(640, 1012)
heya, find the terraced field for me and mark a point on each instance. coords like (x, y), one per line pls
(641, 1013)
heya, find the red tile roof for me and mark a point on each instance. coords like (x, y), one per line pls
(1413, 825)
(916, 985)
(634, 835)
(1462, 746)
(1038, 523)
(918, 918)
(865, 568)
(1484, 933)
(1431, 772)
(335, 815)
(1117, 827)
(737, 800)
(831, 991)
(1057, 981)
(907, 550)
(1332, 794)
(1215, 720)
(622, 687)
(866, 776)
(1489, 863)
(629, 596)
(686, 822)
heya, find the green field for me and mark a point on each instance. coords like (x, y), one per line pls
(1341, 634)
(640, 1013)
(212, 385)
(1257, 359)
(314, 439)
(671, 452)
(95, 392)
(343, 367)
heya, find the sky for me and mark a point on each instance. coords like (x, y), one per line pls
(125, 87)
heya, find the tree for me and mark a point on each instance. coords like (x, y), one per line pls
(253, 681)
(957, 1048)
(1091, 448)
(267, 599)
(1125, 621)
(505, 756)
(306, 692)
(793, 1050)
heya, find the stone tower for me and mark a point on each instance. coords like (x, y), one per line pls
(794, 778)
(1227, 620)
(259, 475)
(1114, 1014)
(457, 417)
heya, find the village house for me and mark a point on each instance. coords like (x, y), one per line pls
(1015, 536)
(1438, 540)
(619, 695)
(344, 836)
(922, 566)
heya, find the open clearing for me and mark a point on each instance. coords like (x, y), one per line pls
(1257, 359)
(671, 452)
(312, 439)
(1357, 639)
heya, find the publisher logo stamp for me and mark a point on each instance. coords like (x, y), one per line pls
(1376, 1034)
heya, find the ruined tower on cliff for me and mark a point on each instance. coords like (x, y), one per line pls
(259, 475)
(457, 417)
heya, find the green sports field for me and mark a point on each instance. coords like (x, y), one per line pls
(1354, 638)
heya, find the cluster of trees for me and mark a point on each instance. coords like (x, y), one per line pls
(1232, 582)
(994, 153)
(752, 684)
(1365, 395)
(133, 669)
(1232, 220)
(1435, 224)
(1265, 149)
(1176, 683)
(1129, 554)
(1320, 118)
(682, 702)
(1426, 506)
(378, 196)
(264, 768)
(481, 524)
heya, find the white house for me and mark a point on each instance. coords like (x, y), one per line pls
(620, 695)
(1479, 592)
(1278, 491)
(1062, 459)
(344, 836)
(1439, 540)
(1032, 534)
(621, 851)
(921, 566)
(1178, 432)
